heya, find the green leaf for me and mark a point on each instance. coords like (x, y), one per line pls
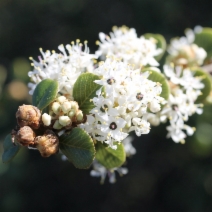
(159, 77)
(108, 157)
(10, 149)
(161, 43)
(84, 90)
(204, 40)
(78, 147)
(45, 93)
(206, 81)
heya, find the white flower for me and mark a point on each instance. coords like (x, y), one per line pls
(184, 52)
(127, 95)
(62, 67)
(124, 44)
(102, 172)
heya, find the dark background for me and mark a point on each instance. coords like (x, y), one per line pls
(163, 176)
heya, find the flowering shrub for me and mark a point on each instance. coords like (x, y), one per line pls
(85, 105)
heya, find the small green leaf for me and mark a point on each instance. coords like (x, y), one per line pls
(204, 40)
(78, 147)
(206, 80)
(45, 92)
(84, 90)
(159, 77)
(108, 157)
(10, 149)
(161, 43)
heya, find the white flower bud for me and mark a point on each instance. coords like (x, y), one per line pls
(66, 106)
(57, 125)
(74, 105)
(64, 120)
(56, 107)
(46, 119)
(61, 99)
(72, 113)
(79, 115)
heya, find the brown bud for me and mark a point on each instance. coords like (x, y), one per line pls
(28, 115)
(48, 144)
(25, 136)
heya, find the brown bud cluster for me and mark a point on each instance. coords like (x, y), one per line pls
(28, 115)
(31, 132)
(47, 144)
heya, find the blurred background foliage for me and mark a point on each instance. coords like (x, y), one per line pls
(163, 176)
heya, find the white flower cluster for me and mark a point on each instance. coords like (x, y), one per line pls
(184, 52)
(62, 67)
(185, 89)
(122, 103)
(124, 43)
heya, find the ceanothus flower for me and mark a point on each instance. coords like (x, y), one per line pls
(126, 45)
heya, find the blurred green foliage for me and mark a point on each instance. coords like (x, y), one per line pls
(163, 176)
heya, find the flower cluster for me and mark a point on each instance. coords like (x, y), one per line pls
(62, 67)
(184, 52)
(126, 45)
(185, 89)
(121, 105)
(90, 120)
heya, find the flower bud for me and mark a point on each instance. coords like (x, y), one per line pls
(28, 115)
(72, 113)
(56, 107)
(46, 119)
(74, 105)
(64, 120)
(79, 115)
(61, 99)
(66, 106)
(47, 144)
(25, 136)
(57, 125)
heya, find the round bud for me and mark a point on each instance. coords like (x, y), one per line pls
(74, 105)
(64, 120)
(56, 107)
(47, 144)
(61, 99)
(66, 106)
(57, 125)
(72, 113)
(46, 119)
(25, 136)
(28, 115)
(79, 115)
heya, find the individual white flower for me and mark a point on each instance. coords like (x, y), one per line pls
(63, 67)
(102, 172)
(128, 147)
(124, 43)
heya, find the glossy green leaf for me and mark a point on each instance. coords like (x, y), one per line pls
(206, 80)
(161, 43)
(159, 77)
(109, 157)
(45, 93)
(84, 90)
(204, 40)
(78, 147)
(10, 149)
